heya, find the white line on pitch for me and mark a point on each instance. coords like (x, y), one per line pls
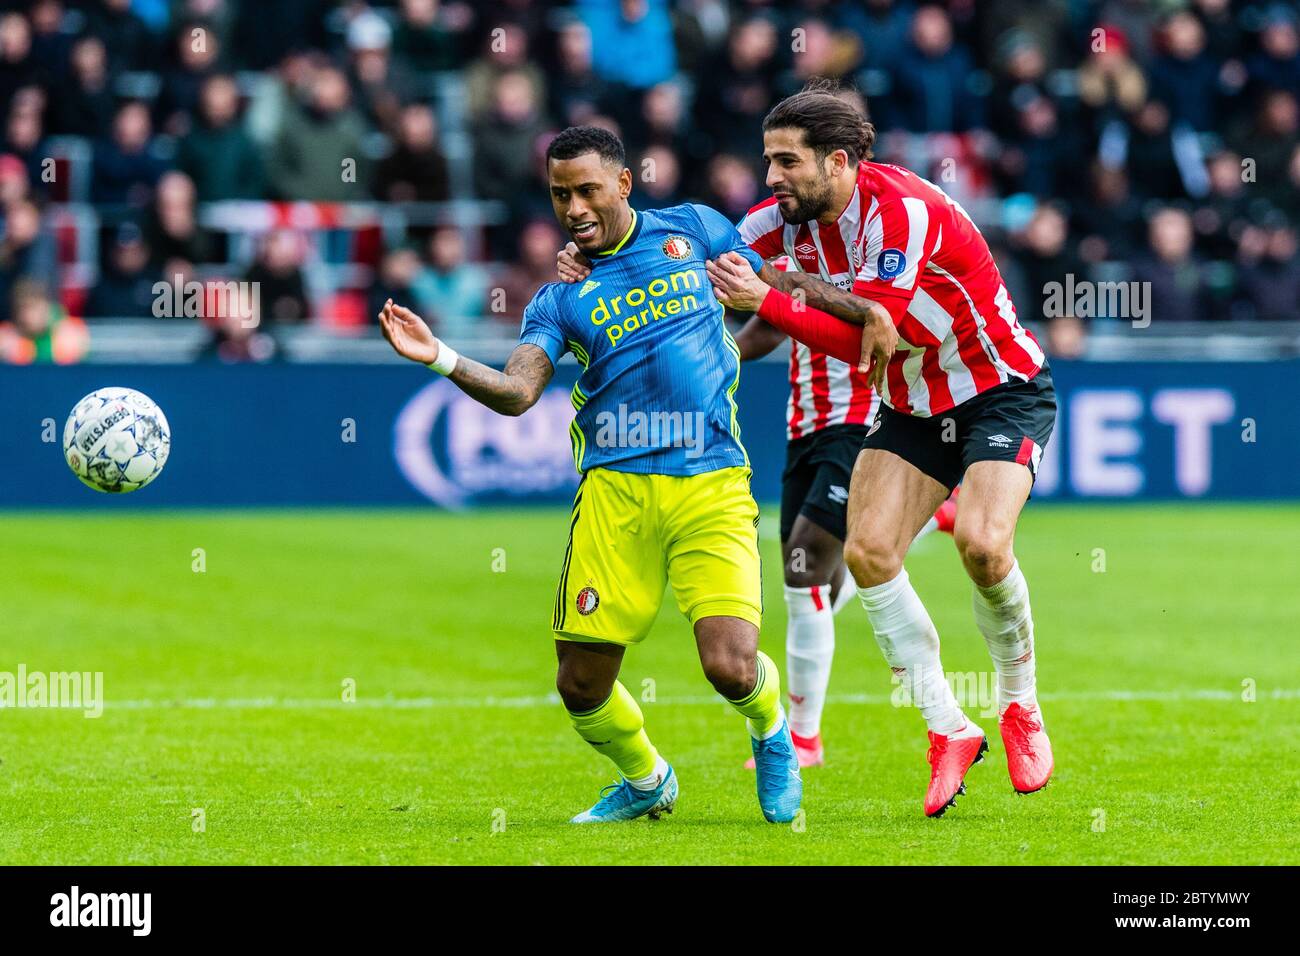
(553, 700)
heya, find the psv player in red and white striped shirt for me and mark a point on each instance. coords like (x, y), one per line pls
(830, 406)
(967, 398)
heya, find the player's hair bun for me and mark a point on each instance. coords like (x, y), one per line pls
(830, 118)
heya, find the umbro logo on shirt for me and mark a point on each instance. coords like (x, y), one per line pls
(999, 441)
(805, 249)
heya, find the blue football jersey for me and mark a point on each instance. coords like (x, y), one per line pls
(657, 394)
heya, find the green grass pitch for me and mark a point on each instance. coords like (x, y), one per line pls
(224, 695)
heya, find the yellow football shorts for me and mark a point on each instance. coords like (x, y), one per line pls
(630, 535)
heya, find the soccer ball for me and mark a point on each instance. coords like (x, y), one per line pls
(116, 440)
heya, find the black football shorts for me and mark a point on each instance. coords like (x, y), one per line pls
(1009, 422)
(815, 482)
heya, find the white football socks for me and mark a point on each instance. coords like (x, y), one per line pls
(809, 649)
(910, 643)
(1003, 615)
(654, 777)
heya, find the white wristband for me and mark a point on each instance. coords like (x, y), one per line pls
(445, 363)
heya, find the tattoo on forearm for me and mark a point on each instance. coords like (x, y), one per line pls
(510, 392)
(819, 294)
(824, 296)
(781, 281)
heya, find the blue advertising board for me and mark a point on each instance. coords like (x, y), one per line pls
(391, 435)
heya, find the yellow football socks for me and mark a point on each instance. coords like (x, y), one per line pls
(617, 730)
(762, 705)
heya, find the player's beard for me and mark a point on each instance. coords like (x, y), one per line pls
(810, 204)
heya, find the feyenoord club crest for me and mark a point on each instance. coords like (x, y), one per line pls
(588, 599)
(677, 247)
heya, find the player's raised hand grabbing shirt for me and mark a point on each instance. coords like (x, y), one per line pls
(660, 370)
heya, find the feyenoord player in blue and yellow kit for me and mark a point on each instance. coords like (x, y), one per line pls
(664, 498)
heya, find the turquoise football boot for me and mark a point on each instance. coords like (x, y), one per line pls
(622, 801)
(780, 788)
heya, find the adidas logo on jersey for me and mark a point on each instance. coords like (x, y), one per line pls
(587, 287)
(838, 494)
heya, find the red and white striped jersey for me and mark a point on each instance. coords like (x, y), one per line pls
(823, 390)
(915, 251)
(926, 262)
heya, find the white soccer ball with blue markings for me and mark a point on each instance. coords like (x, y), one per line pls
(116, 440)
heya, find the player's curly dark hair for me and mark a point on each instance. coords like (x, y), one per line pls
(577, 140)
(828, 120)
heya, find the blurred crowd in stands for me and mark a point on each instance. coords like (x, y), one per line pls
(178, 141)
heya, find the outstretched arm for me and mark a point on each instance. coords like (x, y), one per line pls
(819, 294)
(869, 346)
(509, 392)
(816, 329)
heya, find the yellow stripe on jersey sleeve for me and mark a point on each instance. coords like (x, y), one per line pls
(579, 353)
(579, 441)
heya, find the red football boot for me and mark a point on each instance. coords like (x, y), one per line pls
(950, 758)
(946, 517)
(808, 750)
(1029, 752)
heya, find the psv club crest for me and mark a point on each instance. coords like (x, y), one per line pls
(677, 247)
